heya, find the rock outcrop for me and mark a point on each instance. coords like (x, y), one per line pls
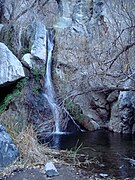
(8, 150)
(92, 63)
(27, 60)
(93, 54)
(10, 67)
(30, 104)
(126, 103)
(38, 48)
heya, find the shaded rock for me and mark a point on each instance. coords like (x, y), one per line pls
(10, 67)
(113, 96)
(90, 125)
(8, 150)
(131, 161)
(1, 26)
(126, 102)
(95, 107)
(38, 48)
(115, 123)
(126, 110)
(51, 169)
(133, 129)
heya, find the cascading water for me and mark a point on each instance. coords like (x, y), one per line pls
(49, 94)
(49, 89)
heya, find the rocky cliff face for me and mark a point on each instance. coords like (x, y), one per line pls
(93, 55)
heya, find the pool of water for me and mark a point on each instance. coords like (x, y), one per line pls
(110, 151)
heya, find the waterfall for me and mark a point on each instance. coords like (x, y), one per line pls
(49, 89)
(49, 94)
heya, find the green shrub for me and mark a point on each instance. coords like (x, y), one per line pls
(15, 92)
(24, 51)
(38, 76)
(7, 100)
(75, 111)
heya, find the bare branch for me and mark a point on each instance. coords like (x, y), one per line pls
(23, 12)
(114, 42)
(125, 48)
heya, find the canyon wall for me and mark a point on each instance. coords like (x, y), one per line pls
(93, 57)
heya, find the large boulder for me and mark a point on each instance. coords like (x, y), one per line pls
(27, 60)
(126, 111)
(11, 68)
(122, 117)
(8, 150)
(38, 48)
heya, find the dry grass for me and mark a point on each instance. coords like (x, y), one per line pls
(35, 155)
(30, 150)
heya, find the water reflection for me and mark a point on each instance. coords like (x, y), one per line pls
(108, 148)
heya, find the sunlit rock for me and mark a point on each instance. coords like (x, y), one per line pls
(10, 67)
(27, 60)
(38, 48)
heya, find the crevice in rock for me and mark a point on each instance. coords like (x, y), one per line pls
(60, 6)
(5, 90)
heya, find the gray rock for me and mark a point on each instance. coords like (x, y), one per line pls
(103, 175)
(1, 26)
(10, 67)
(113, 96)
(115, 123)
(38, 48)
(51, 169)
(91, 21)
(131, 161)
(8, 150)
(27, 60)
(126, 110)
